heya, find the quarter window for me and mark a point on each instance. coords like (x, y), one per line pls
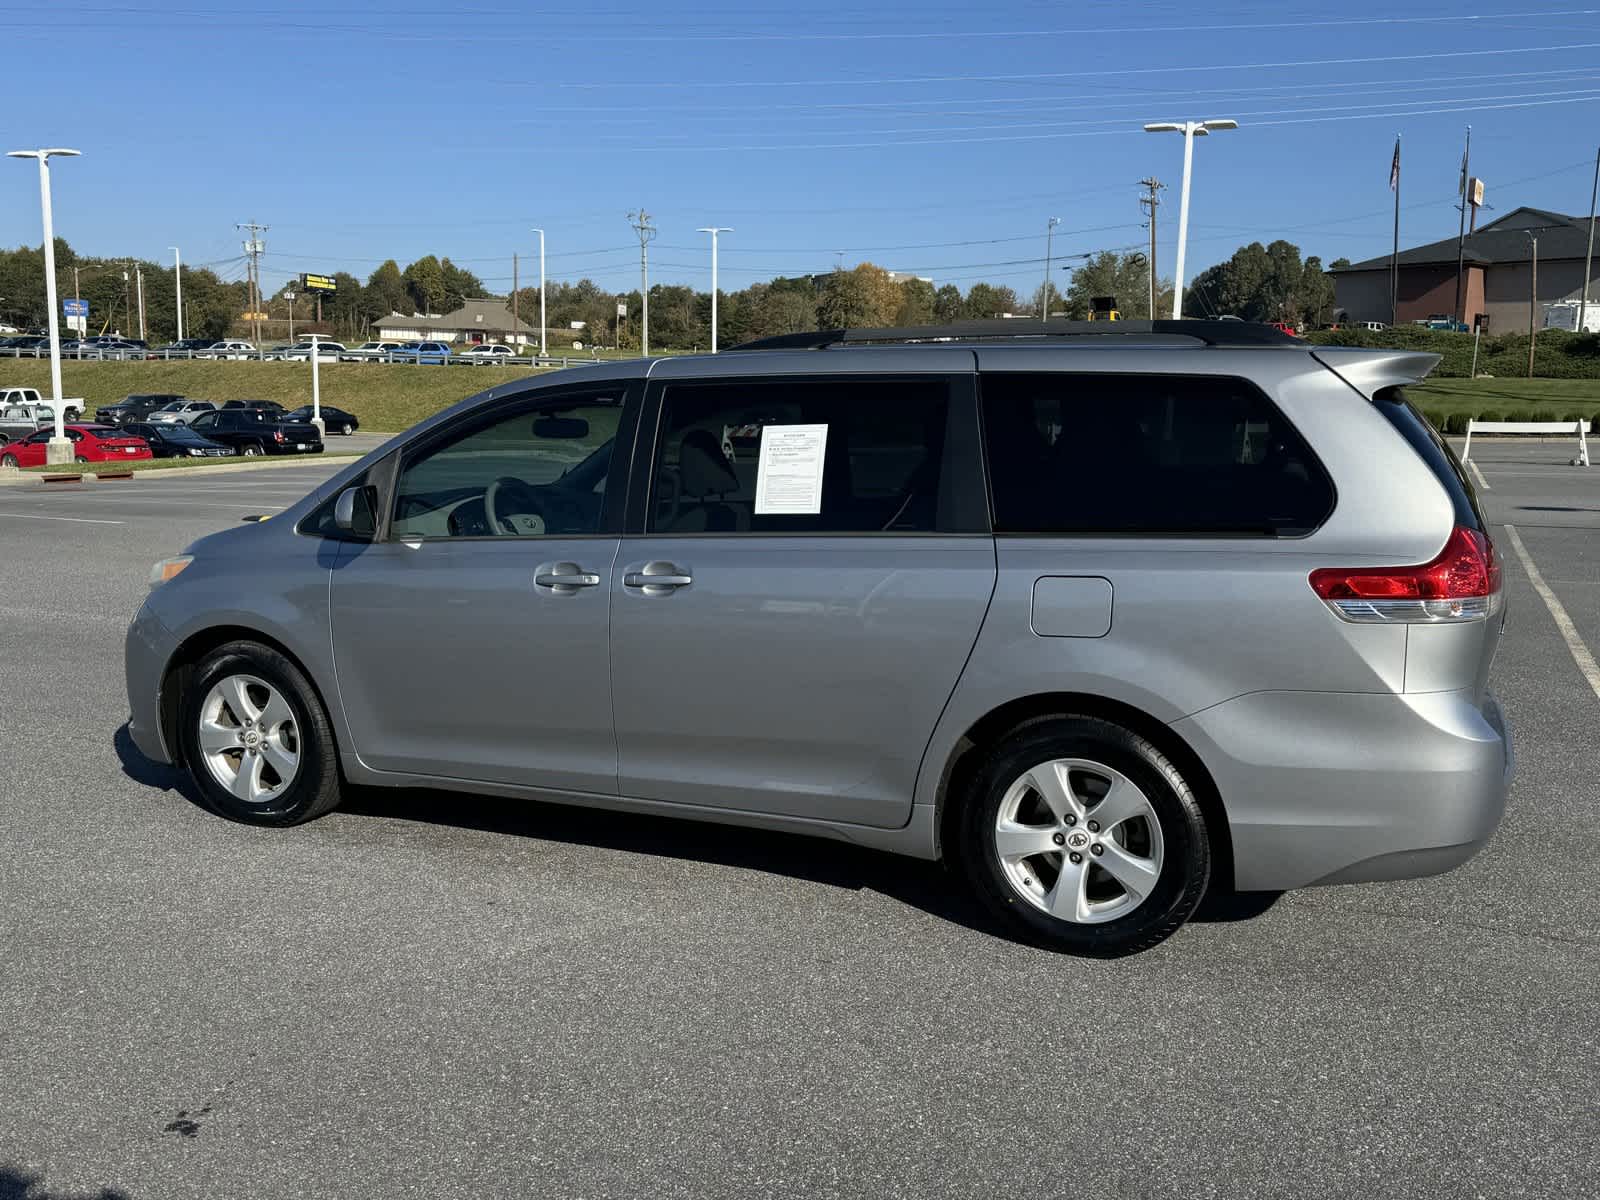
(1146, 454)
(539, 472)
(845, 455)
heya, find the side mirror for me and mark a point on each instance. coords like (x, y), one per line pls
(353, 512)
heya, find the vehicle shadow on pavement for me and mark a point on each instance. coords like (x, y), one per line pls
(927, 886)
(17, 1184)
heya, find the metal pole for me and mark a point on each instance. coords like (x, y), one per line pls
(1044, 292)
(1588, 257)
(1189, 128)
(1533, 301)
(316, 388)
(543, 346)
(1394, 255)
(1477, 333)
(177, 275)
(289, 296)
(138, 274)
(1461, 236)
(59, 450)
(714, 230)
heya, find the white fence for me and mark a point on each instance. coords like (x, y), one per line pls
(1581, 428)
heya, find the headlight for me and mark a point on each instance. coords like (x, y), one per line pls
(193, 453)
(169, 568)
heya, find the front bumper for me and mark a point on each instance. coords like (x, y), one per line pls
(1344, 788)
(147, 651)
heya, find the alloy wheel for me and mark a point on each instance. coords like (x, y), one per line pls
(249, 738)
(1078, 840)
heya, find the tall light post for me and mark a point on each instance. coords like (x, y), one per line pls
(177, 276)
(1533, 293)
(540, 232)
(1044, 295)
(59, 450)
(289, 296)
(1190, 131)
(714, 230)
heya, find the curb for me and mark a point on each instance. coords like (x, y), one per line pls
(18, 478)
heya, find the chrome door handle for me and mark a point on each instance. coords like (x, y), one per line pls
(640, 580)
(564, 577)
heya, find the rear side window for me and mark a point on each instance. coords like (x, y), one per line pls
(1436, 452)
(1146, 454)
(844, 455)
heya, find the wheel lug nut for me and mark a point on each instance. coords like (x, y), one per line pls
(1071, 820)
(1059, 839)
(1094, 826)
(1097, 849)
(1076, 857)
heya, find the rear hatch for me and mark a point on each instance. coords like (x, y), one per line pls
(297, 435)
(124, 447)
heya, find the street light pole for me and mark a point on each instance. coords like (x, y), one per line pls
(177, 275)
(289, 296)
(59, 449)
(1190, 131)
(714, 230)
(1533, 296)
(1588, 257)
(1044, 296)
(542, 347)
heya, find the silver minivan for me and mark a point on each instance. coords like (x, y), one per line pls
(1102, 619)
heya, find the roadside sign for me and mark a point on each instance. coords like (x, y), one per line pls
(318, 283)
(254, 316)
(622, 309)
(75, 308)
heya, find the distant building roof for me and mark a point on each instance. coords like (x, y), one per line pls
(473, 314)
(1500, 241)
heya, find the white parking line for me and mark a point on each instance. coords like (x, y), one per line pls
(1482, 482)
(74, 520)
(1569, 631)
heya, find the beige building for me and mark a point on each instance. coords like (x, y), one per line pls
(1495, 277)
(475, 321)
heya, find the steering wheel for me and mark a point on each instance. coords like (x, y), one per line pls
(512, 507)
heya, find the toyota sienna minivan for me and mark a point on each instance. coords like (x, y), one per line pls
(1100, 619)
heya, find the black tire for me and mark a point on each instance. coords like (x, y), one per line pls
(1186, 863)
(315, 788)
(10, 460)
(347, 429)
(251, 450)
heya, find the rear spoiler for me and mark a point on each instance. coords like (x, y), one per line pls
(1370, 371)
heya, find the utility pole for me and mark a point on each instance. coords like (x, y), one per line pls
(1461, 236)
(127, 301)
(1588, 257)
(138, 275)
(1044, 292)
(516, 326)
(75, 295)
(641, 225)
(1533, 297)
(1150, 203)
(177, 275)
(253, 248)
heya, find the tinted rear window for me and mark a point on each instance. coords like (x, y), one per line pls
(1435, 451)
(1146, 454)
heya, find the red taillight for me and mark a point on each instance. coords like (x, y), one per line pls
(277, 435)
(1461, 584)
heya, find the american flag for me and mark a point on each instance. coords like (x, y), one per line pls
(1394, 168)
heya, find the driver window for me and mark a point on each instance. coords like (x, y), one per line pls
(539, 473)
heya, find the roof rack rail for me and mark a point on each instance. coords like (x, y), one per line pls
(1206, 333)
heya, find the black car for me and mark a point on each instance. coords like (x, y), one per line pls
(334, 420)
(270, 406)
(132, 408)
(187, 346)
(176, 441)
(253, 431)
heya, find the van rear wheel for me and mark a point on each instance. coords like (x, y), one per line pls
(1080, 835)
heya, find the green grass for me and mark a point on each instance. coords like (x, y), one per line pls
(1449, 402)
(170, 464)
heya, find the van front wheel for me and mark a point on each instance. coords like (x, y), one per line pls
(1080, 835)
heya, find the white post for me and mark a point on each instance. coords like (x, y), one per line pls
(138, 284)
(1583, 448)
(1189, 128)
(177, 274)
(1466, 451)
(59, 449)
(714, 230)
(1477, 332)
(316, 387)
(543, 348)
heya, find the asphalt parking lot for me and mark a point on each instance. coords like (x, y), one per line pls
(429, 994)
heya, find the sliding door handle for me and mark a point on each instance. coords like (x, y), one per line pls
(658, 578)
(564, 577)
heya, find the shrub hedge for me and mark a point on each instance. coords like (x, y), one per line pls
(1557, 355)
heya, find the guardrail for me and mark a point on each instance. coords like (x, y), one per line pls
(455, 360)
(1581, 428)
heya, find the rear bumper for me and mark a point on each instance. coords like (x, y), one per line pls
(1343, 788)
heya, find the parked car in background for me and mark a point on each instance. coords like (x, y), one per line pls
(301, 351)
(251, 432)
(370, 351)
(422, 352)
(487, 352)
(71, 406)
(90, 443)
(29, 345)
(335, 420)
(19, 421)
(177, 441)
(228, 348)
(187, 346)
(116, 346)
(132, 408)
(271, 406)
(1370, 326)
(181, 412)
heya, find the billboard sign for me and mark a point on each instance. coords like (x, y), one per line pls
(318, 283)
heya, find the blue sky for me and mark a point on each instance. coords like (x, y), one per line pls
(935, 137)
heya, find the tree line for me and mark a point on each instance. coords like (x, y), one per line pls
(1256, 283)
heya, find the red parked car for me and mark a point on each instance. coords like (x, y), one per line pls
(91, 443)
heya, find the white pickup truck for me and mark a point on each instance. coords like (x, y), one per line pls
(72, 409)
